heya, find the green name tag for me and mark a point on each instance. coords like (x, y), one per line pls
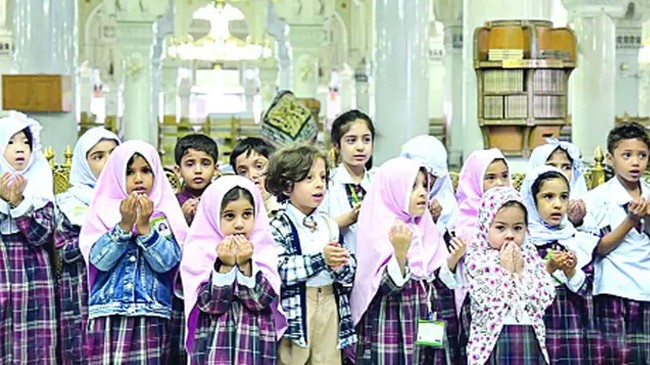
(161, 225)
(431, 333)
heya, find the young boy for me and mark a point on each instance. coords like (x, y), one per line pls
(317, 271)
(250, 159)
(196, 162)
(620, 209)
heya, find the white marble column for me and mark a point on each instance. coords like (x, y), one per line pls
(279, 30)
(55, 38)
(401, 74)
(136, 35)
(184, 83)
(475, 14)
(594, 98)
(6, 42)
(85, 88)
(169, 88)
(450, 13)
(362, 76)
(347, 88)
(306, 40)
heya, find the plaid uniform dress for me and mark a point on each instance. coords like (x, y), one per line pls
(517, 345)
(28, 333)
(388, 329)
(73, 294)
(464, 322)
(444, 305)
(235, 325)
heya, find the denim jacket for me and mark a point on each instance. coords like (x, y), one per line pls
(134, 274)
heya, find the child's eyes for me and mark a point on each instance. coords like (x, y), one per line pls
(98, 157)
(519, 228)
(547, 196)
(147, 170)
(565, 196)
(351, 140)
(505, 175)
(367, 140)
(206, 163)
(247, 215)
(259, 166)
(229, 216)
(189, 164)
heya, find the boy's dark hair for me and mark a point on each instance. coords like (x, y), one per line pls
(342, 125)
(626, 130)
(290, 165)
(235, 194)
(544, 177)
(199, 142)
(514, 203)
(249, 145)
(30, 138)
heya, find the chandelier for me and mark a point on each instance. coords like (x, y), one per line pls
(218, 45)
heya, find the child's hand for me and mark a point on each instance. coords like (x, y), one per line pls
(400, 236)
(17, 188)
(243, 249)
(576, 212)
(507, 257)
(569, 265)
(335, 255)
(435, 209)
(189, 209)
(637, 209)
(144, 212)
(350, 217)
(5, 188)
(555, 261)
(518, 259)
(226, 252)
(458, 248)
(128, 212)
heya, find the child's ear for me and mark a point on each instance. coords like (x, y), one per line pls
(610, 159)
(288, 191)
(177, 170)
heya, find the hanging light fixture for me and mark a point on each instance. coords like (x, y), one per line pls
(218, 45)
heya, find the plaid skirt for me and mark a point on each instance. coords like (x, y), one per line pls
(73, 313)
(444, 305)
(178, 354)
(464, 322)
(565, 338)
(625, 325)
(128, 341)
(517, 345)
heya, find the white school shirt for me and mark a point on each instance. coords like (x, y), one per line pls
(313, 242)
(336, 200)
(624, 272)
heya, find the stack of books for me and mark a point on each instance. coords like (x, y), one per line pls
(503, 81)
(505, 54)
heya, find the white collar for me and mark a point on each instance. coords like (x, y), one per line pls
(342, 176)
(620, 195)
(297, 216)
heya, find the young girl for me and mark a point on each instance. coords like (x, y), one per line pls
(27, 291)
(509, 286)
(90, 155)
(568, 320)
(130, 244)
(230, 278)
(429, 151)
(565, 156)
(482, 171)
(352, 136)
(400, 249)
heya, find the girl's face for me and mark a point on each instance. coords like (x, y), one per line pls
(253, 166)
(497, 174)
(418, 201)
(355, 146)
(18, 151)
(509, 225)
(139, 176)
(98, 155)
(561, 161)
(552, 201)
(237, 217)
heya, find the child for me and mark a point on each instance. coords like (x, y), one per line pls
(429, 151)
(131, 258)
(622, 266)
(564, 156)
(250, 158)
(352, 137)
(508, 286)
(90, 155)
(229, 270)
(568, 254)
(316, 270)
(27, 292)
(401, 249)
(196, 162)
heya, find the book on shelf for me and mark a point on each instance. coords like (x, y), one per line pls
(516, 107)
(493, 107)
(505, 54)
(549, 106)
(551, 81)
(503, 81)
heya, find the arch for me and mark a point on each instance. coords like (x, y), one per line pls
(335, 48)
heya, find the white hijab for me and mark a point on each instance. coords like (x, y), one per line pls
(40, 187)
(430, 152)
(542, 153)
(74, 202)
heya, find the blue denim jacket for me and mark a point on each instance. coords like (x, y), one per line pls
(134, 275)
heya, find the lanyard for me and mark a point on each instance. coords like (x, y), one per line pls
(432, 316)
(353, 191)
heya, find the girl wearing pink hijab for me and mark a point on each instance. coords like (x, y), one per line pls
(230, 278)
(399, 250)
(130, 242)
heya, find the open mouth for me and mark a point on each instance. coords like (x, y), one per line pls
(317, 196)
(556, 216)
(198, 180)
(359, 157)
(635, 173)
(140, 190)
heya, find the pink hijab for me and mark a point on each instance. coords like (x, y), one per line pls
(200, 251)
(387, 200)
(104, 211)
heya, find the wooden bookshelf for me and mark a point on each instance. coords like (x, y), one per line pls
(523, 69)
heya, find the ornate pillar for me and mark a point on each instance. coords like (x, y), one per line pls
(594, 107)
(279, 30)
(136, 36)
(401, 73)
(450, 13)
(45, 41)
